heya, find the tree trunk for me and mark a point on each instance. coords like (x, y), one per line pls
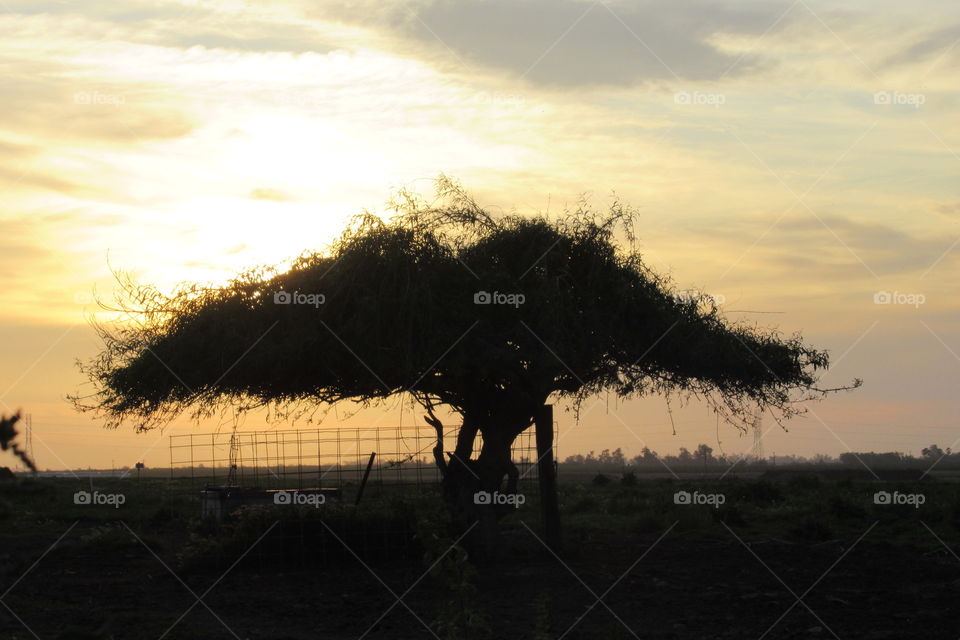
(471, 486)
(460, 478)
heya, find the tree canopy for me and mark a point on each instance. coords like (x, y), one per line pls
(449, 303)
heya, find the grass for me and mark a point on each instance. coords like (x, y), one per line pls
(102, 563)
(778, 508)
(802, 508)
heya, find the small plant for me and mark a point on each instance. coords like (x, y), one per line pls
(600, 480)
(460, 616)
(761, 493)
(211, 542)
(8, 433)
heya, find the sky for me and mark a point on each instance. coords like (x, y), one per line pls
(798, 160)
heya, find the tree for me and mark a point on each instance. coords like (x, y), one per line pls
(705, 453)
(646, 457)
(933, 452)
(684, 455)
(614, 458)
(489, 316)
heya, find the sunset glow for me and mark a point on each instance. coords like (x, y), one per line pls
(798, 160)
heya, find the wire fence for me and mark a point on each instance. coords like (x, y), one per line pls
(325, 458)
(392, 469)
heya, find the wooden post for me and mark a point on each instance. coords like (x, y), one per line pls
(549, 504)
(366, 474)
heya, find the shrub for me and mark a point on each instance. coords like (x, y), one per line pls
(846, 509)
(600, 480)
(762, 493)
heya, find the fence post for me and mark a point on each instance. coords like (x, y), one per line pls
(366, 474)
(546, 471)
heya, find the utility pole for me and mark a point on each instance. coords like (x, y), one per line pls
(29, 439)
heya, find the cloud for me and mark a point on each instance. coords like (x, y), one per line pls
(182, 25)
(833, 246)
(573, 42)
(801, 247)
(16, 173)
(64, 106)
(933, 44)
(245, 37)
(17, 178)
(15, 150)
(951, 210)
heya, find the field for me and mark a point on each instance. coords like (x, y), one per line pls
(796, 555)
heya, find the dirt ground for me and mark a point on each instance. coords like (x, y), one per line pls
(872, 579)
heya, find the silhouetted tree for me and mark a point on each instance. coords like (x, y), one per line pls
(646, 457)
(429, 304)
(704, 453)
(615, 458)
(933, 452)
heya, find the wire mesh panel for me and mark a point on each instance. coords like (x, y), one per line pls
(325, 458)
(237, 477)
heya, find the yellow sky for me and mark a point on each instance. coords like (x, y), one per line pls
(792, 157)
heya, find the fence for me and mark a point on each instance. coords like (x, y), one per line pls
(235, 465)
(325, 458)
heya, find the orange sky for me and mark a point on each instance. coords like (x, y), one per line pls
(794, 158)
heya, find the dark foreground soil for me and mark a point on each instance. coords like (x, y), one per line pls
(679, 589)
(871, 580)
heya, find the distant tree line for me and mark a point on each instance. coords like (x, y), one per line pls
(930, 457)
(702, 455)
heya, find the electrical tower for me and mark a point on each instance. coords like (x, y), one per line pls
(758, 435)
